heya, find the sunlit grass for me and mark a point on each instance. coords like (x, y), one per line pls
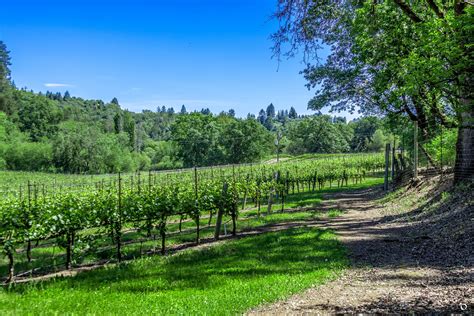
(224, 279)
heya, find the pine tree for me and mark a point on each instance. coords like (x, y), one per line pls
(262, 116)
(66, 96)
(114, 101)
(271, 110)
(118, 123)
(4, 66)
(183, 110)
(292, 114)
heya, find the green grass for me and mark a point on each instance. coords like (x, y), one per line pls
(221, 280)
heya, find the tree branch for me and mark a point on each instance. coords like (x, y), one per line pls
(408, 11)
(412, 116)
(459, 7)
(435, 8)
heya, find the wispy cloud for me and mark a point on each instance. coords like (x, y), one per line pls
(57, 85)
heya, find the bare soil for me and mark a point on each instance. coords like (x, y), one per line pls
(413, 254)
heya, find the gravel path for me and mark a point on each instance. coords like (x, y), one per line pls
(391, 270)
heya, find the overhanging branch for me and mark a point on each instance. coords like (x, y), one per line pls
(435, 8)
(408, 11)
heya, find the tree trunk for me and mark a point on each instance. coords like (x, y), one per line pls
(210, 219)
(197, 228)
(464, 166)
(234, 219)
(68, 251)
(11, 267)
(28, 251)
(220, 213)
(163, 236)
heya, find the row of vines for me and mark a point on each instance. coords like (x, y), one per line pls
(42, 215)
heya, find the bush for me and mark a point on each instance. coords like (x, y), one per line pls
(442, 148)
(29, 156)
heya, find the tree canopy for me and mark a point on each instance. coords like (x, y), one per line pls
(402, 59)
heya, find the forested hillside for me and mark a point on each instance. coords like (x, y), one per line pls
(63, 133)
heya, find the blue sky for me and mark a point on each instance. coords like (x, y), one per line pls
(203, 53)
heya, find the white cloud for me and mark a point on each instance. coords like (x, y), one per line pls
(57, 85)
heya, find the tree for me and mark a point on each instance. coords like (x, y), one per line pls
(364, 129)
(271, 111)
(4, 67)
(37, 116)
(183, 109)
(195, 135)
(66, 96)
(206, 111)
(114, 101)
(262, 116)
(118, 123)
(83, 148)
(232, 113)
(129, 128)
(269, 124)
(410, 59)
(317, 134)
(292, 114)
(245, 141)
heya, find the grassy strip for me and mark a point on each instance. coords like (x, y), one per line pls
(225, 279)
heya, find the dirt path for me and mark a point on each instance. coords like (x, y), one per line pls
(390, 273)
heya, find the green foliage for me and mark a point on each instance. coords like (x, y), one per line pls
(80, 148)
(408, 60)
(37, 115)
(29, 156)
(442, 148)
(378, 141)
(224, 279)
(317, 134)
(207, 140)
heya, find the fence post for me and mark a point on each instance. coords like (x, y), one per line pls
(387, 162)
(441, 152)
(392, 174)
(415, 151)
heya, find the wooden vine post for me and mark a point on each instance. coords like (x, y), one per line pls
(415, 151)
(196, 204)
(28, 246)
(234, 203)
(270, 195)
(387, 162)
(283, 192)
(392, 174)
(118, 224)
